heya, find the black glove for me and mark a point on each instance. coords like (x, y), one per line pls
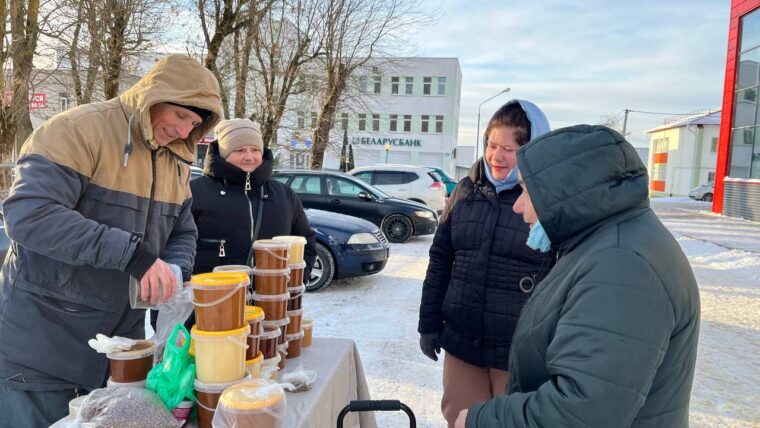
(430, 346)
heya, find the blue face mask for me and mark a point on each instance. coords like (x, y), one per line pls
(538, 240)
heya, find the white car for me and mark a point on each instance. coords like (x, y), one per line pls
(415, 183)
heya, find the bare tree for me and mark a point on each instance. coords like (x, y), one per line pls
(286, 41)
(15, 122)
(355, 32)
(220, 19)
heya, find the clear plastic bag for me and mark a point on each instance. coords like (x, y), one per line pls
(299, 380)
(135, 299)
(125, 407)
(175, 311)
(255, 403)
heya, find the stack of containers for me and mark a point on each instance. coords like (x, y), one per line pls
(271, 278)
(220, 334)
(296, 288)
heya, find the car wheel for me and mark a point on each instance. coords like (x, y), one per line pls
(708, 197)
(398, 228)
(323, 271)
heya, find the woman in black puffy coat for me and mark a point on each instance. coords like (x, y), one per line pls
(236, 201)
(481, 272)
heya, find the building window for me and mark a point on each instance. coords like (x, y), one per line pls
(439, 124)
(394, 85)
(658, 171)
(344, 121)
(427, 82)
(363, 84)
(714, 145)
(63, 102)
(425, 123)
(441, 86)
(409, 85)
(378, 88)
(362, 122)
(313, 120)
(710, 177)
(407, 123)
(375, 122)
(744, 161)
(301, 120)
(394, 122)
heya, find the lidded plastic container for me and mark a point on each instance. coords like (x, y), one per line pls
(296, 297)
(207, 396)
(307, 325)
(258, 403)
(254, 315)
(296, 274)
(274, 305)
(294, 326)
(271, 254)
(220, 355)
(236, 268)
(297, 245)
(271, 281)
(132, 365)
(219, 299)
(253, 365)
(294, 344)
(268, 341)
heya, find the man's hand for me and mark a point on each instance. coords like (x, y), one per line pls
(158, 281)
(461, 419)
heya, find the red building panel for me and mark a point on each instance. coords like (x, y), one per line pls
(660, 158)
(657, 186)
(738, 9)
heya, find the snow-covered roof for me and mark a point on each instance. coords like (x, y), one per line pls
(712, 117)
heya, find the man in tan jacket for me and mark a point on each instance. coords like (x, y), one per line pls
(101, 193)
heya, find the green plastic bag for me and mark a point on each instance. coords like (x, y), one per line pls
(172, 379)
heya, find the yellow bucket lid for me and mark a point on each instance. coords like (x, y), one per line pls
(220, 278)
(259, 359)
(253, 313)
(256, 394)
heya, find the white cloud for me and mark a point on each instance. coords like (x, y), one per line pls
(581, 60)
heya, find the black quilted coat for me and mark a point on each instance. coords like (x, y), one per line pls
(481, 272)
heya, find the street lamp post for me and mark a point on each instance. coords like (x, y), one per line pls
(477, 136)
(387, 148)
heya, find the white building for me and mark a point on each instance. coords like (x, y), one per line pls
(406, 111)
(683, 154)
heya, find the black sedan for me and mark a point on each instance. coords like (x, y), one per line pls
(340, 193)
(346, 247)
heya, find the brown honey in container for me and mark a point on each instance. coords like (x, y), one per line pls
(271, 281)
(281, 324)
(207, 396)
(268, 341)
(257, 403)
(296, 274)
(296, 297)
(308, 331)
(254, 315)
(132, 365)
(270, 254)
(219, 299)
(294, 344)
(275, 306)
(294, 326)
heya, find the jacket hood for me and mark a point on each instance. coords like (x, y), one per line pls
(215, 166)
(181, 80)
(580, 177)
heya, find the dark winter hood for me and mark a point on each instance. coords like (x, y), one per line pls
(581, 177)
(216, 167)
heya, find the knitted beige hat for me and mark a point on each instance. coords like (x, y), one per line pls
(235, 133)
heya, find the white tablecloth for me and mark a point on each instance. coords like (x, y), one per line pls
(340, 379)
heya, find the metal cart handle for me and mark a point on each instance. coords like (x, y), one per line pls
(377, 405)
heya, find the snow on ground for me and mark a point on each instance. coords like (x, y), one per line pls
(379, 312)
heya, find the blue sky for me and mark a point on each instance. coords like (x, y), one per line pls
(580, 60)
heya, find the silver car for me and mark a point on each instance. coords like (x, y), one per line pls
(703, 192)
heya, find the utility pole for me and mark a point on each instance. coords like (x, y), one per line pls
(625, 121)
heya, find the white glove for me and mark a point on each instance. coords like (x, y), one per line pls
(104, 344)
